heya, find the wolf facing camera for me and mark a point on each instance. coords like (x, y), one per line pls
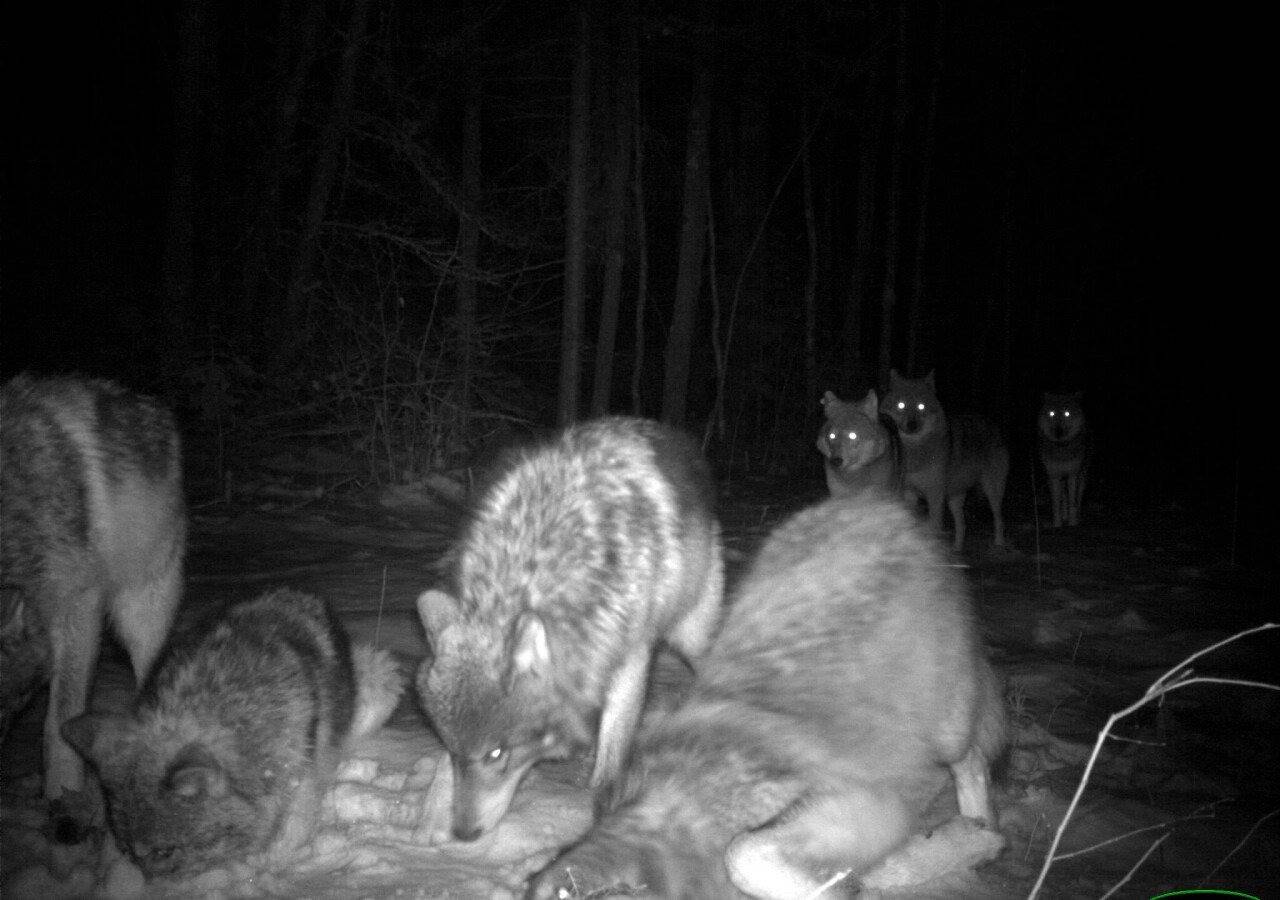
(859, 452)
(1066, 450)
(579, 559)
(944, 457)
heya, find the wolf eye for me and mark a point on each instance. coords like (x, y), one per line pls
(853, 435)
(495, 754)
(1066, 414)
(901, 405)
(1052, 413)
(920, 406)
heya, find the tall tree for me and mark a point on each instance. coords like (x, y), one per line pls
(297, 30)
(329, 153)
(693, 237)
(575, 224)
(893, 205)
(178, 257)
(468, 224)
(919, 333)
(615, 230)
(864, 256)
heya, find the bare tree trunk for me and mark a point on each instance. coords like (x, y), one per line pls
(919, 330)
(468, 227)
(811, 283)
(893, 206)
(297, 43)
(641, 225)
(329, 153)
(856, 314)
(177, 270)
(615, 239)
(575, 222)
(693, 237)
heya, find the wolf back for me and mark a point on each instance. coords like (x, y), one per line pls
(92, 527)
(846, 677)
(581, 556)
(944, 457)
(1066, 451)
(859, 452)
(227, 750)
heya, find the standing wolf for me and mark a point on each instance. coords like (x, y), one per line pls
(846, 676)
(92, 527)
(229, 747)
(579, 558)
(860, 452)
(1066, 449)
(943, 456)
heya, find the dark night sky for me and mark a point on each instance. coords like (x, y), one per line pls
(1139, 150)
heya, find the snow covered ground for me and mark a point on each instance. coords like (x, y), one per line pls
(1081, 622)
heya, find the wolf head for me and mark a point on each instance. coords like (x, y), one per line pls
(1061, 416)
(852, 435)
(491, 697)
(173, 799)
(912, 404)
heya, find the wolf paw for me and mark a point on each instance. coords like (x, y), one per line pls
(588, 872)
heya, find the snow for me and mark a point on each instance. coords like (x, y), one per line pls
(1080, 627)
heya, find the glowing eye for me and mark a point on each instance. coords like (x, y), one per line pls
(901, 405)
(1052, 413)
(853, 435)
(495, 754)
(920, 406)
(1066, 413)
(831, 436)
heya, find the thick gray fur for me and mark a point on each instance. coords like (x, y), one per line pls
(228, 749)
(92, 529)
(580, 557)
(847, 678)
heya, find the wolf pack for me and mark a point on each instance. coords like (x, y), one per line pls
(837, 691)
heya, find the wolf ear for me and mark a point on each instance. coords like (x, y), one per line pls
(871, 404)
(828, 398)
(531, 654)
(437, 610)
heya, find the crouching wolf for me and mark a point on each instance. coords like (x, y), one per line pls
(92, 528)
(578, 560)
(1066, 449)
(229, 747)
(846, 676)
(860, 451)
(943, 457)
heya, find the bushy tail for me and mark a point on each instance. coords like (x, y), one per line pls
(379, 684)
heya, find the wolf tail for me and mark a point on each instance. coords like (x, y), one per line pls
(379, 683)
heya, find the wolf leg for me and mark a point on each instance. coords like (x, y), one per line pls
(1075, 488)
(142, 615)
(973, 790)
(619, 716)
(1056, 498)
(693, 632)
(994, 476)
(807, 845)
(75, 633)
(956, 504)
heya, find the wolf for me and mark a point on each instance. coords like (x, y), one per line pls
(846, 679)
(92, 528)
(860, 451)
(1066, 450)
(943, 456)
(227, 750)
(581, 556)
